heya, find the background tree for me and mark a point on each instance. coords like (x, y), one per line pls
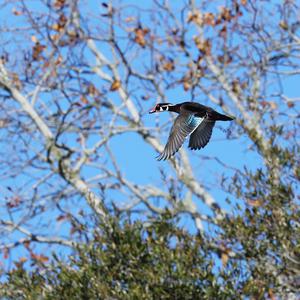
(77, 79)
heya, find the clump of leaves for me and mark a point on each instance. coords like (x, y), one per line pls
(127, 261)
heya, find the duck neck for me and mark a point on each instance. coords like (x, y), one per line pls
(174, 108)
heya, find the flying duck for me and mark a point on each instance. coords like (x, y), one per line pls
(194, 120)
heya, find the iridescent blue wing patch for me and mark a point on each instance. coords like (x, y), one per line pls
(184, 125)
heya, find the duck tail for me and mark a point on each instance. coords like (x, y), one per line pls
(220, 117)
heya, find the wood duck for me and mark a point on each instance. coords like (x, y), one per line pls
(194, 120)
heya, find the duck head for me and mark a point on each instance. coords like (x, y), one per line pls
(160, 107)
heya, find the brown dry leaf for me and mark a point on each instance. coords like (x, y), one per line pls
(61, 218)
(195, 17)
(22, 259)
(37, 50)
(46, 64)
(59, 4)
(84, 100)
(129, 19)
(169, 66)
(34, 39)
(223, 32)
(190, 17)
(243, 2)
(225, 59)
(273, 105)
(283, 25)
(115, 85)
(55, 27)
(91, 90)
(72, 35)
(59, 60)
(236, 86)
(139, 38)
(255, 203)
(62, 21)
(140, 34)
(63, 43)
(271, 294)
(225, 14)
(186, 84)
(224, 258)
(39, 257)
(16, 200)
(209, 19)
(203, 45)
(54, 37)
(17, 12)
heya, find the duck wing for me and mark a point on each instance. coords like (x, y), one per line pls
(201, 136)
(183, 126)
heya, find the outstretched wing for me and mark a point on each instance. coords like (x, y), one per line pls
(183, 126)
(201, 136)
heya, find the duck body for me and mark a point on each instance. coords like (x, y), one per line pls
(194, 120)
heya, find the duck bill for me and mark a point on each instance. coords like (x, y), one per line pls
(152, 110)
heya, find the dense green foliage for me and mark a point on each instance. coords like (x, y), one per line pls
(129, 261)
